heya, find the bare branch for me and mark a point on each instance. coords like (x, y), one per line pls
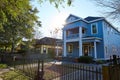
(112, 8)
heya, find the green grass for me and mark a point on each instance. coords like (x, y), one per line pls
(12, 75)
(2, 66)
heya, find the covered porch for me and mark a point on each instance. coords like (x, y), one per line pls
(88, 47)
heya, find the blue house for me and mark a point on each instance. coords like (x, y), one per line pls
(91, 36)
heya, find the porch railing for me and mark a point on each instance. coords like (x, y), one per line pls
(73, 36)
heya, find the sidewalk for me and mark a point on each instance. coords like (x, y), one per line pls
(3, 71)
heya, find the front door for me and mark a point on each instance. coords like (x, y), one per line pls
(85, 50)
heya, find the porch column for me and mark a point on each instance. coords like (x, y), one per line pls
(64, 44)
(57, 50)
(95, 50)
(80, 41)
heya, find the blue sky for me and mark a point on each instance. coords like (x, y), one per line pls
(52, 18)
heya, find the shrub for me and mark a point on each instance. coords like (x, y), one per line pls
(85, 59)
(3, 66)
(100, 62)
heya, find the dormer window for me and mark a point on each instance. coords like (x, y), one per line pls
(94, 28)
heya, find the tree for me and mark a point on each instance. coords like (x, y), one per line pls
(57, 3)
(54, 34)
(17, 21)
(112, 8)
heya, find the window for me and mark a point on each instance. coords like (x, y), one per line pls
(70, 48)
(44, 50)
(106, 50)
(94, 28)
(83, 31)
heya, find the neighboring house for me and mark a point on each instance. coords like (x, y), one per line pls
(91, 36)
(47, 45)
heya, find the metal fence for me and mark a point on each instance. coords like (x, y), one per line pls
(37, 69)
(33, 68)
(71, 71)
(114, 60)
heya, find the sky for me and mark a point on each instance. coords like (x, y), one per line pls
(52, 18)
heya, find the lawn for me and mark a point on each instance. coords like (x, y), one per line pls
(12, 75)
(2, 66)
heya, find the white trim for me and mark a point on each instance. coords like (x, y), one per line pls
(65, 54)
(92, 28)
(64, 49)
(92, 22)
(103, 26)
(57, 50)
(76, 21)
(72, 40)
(92, 38)
(96, 20)
(80, 41)
(77, 39)
(84, 21)
(95, 50)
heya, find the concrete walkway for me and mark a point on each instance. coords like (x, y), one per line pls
(3, 71)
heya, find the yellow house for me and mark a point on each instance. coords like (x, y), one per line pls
(48, 45)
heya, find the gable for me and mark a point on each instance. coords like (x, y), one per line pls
(48, 41)
(72, 18)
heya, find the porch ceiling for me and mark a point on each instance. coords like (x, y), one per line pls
(91, 39)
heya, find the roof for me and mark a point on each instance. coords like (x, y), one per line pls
(90, 18)
(48, 41)
(73, 16)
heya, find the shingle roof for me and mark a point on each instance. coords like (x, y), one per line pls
(90, 18)
(47, 41)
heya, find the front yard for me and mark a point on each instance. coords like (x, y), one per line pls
(51, 71)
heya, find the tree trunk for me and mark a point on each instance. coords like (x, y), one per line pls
(13, 45)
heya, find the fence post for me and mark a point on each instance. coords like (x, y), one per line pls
(114, 60)
(40, 71)
(105, 72)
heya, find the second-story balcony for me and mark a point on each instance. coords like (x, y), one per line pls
(74, 33)
(72, 36)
